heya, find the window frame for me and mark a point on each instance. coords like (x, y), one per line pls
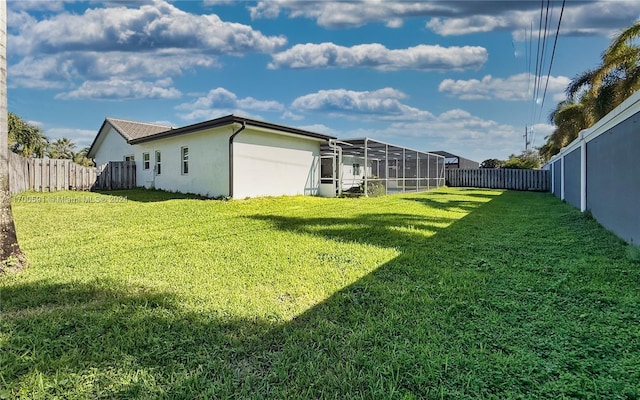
(184, 160)
(146, 161)
(158, 164)
(355, 169)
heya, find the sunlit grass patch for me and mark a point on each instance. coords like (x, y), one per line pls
(447, 294)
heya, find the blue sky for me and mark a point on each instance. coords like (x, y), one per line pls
(454, 75)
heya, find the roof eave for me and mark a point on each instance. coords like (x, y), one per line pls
(95, 140)
(228, 120)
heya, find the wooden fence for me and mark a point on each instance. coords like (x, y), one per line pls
(49, 175)
(116, 175)
(513, 179)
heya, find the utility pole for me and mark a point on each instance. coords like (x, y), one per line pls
(526, 139)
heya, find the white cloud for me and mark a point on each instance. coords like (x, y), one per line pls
(150, 40)
(34, 5)
(81, 137)
(319, 128)
(381, 114)
(539, 132)
(347, 14)
(456, 131)
(117, 89)
(153, 26)
(468, 25)
(382, 104)
(422, 57)
(597, 17)
(220, 101)
(60, 70)
(592, 18)
(514, 88)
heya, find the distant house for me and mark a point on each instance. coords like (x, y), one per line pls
(453, 161)
(229, 156)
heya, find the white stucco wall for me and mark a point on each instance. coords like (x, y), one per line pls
(267, 164)
(112, 147)
(208, 163)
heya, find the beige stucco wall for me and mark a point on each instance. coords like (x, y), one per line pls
(208, 163)
(265, 163)
(268, 164)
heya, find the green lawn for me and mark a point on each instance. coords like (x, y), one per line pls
(455, 294)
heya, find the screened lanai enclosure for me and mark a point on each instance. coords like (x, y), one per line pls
(371, 168)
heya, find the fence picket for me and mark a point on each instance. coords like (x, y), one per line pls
(513, 179)
(48, 175)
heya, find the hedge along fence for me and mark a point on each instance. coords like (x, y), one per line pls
(599, 172)
(513, 179)
(49, 175)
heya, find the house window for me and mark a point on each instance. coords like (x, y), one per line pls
(129, 158)
(158, 163)
(356, 169)
(146, 161)
(185, 160)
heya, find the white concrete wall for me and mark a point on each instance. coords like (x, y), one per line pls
(267, 164)
(208, 163)
(112, 147)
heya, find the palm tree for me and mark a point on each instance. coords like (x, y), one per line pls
(82, 159)
(11, 257)
(594, 93)
(26, 139)
(620, 65)
(61, 148)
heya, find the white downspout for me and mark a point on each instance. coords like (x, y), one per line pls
(366, 183)
(337, 149)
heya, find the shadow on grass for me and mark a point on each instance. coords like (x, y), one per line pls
(150, 195)
(450, 317)
(100, 340)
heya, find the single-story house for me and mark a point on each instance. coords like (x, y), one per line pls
(229, 156)
(453, 161)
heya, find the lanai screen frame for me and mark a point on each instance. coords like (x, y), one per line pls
(398, 169)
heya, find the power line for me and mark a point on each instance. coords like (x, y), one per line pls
(544, 46)
(541, 55)
(535, 82)
(555, 42)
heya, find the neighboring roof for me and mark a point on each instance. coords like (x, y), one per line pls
(134, 130)
(228, 120)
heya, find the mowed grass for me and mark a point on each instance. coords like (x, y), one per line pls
(456, 294)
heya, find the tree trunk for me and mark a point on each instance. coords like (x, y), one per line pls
(11, 257)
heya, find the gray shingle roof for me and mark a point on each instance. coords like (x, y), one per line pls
(136, 130)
